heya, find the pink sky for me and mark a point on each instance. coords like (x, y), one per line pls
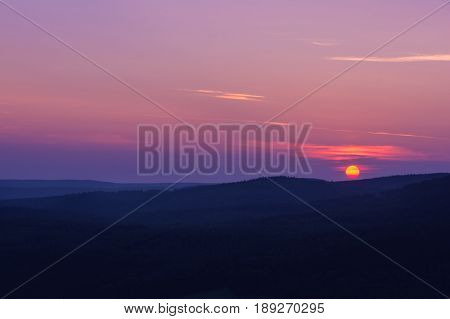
(222, 61)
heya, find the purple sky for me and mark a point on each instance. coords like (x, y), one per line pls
(60, 117)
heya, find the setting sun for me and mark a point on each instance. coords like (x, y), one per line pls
(352, 171)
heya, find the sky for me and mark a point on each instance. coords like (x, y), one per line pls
(218, 62)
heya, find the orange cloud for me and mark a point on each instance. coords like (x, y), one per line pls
(400, 59)
(351, 152)
(229, 95)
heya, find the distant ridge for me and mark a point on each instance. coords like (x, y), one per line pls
(187, 202)
(15, 189)
(309, 187)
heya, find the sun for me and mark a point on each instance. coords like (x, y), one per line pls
(352, 171)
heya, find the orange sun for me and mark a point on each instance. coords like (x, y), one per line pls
(352, 171)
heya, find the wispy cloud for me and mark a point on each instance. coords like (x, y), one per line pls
(321, 42)
(394, 134)
(352, 152)
(324, 43)
(398, 59)
(228, 95)
(407, 135)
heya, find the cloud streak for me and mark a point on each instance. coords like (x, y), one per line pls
(229, 95)
(394, 134)
(399, 59)
(407, 135)
(324, 43)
